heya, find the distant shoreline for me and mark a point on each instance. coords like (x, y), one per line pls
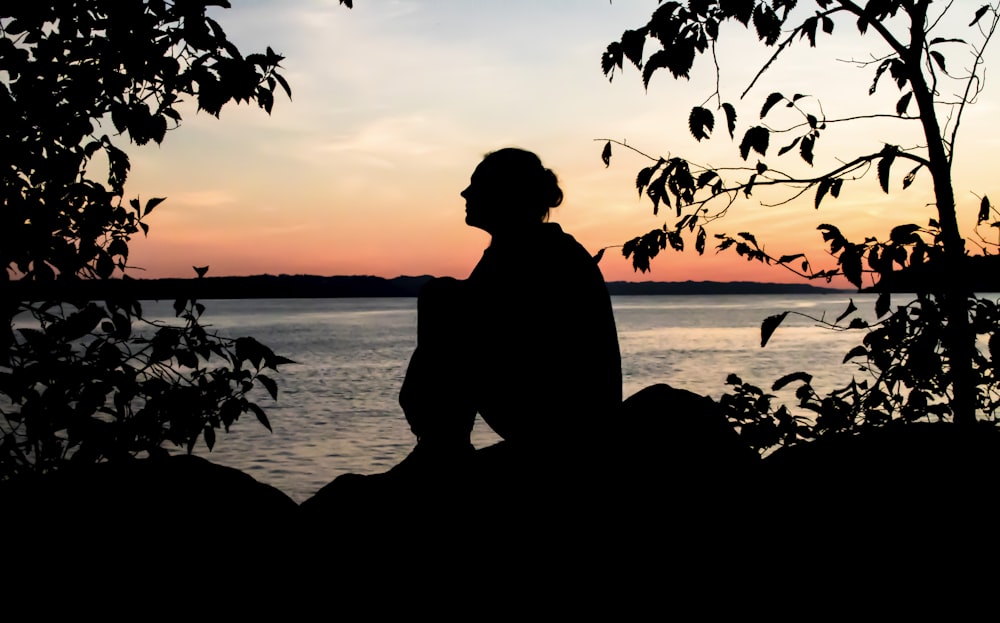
(358, 286)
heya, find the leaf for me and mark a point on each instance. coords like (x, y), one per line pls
(939, 59)
(878, 74)
(118, 167)
(606, 154)
(273, 361)
(700, 120)
(850, 264)
(105, 266)
(903, 102)
(152, 203)
(784, 259)
(632, 42)
(642, 179)
(821, 190)
(768, 326)
(835, 187)
(979, 14)
(730, 119)
(611, 58)
(827, 25)
(658, 60)
(679, 58)
(984, 210)
(657, 191)
(706, 177)
(898, 71)
(806, 149)
(269, 384)
(805, 377)
(912, 175)
(851, 308)
(599, 256)
(284, 84)
(629, 247)
(809, 30)
(812, 121)
(699, 243)
(904, 234)
(787, 148)
(769, 103)
(249, 349)
(882, 304)
(937, 40)
(767, 24)
(883, 169)
(261, 417)
(756, 138)
(832, 235)
(857, 351)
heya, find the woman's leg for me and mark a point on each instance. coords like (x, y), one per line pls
(436, 395)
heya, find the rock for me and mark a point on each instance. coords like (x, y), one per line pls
(888, 506)
(915, 477)
(669, 458)
(123, 512)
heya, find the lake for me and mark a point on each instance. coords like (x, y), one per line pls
(337, 409)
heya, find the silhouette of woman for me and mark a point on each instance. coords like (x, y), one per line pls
(528, 341)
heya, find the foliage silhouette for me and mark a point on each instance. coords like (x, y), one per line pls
(82, 380)
(919, 361)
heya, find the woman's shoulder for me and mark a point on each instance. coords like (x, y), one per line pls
(567, 247)
(552, 234)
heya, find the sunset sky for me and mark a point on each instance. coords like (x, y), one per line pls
(395, 101)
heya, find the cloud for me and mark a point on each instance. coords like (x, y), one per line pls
(392, 138)
(205, 198)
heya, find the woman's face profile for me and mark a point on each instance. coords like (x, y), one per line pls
(482, 199)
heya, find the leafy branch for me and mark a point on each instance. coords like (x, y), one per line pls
(85, 380)
(924, 358)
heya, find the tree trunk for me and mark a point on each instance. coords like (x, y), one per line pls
(954, 291)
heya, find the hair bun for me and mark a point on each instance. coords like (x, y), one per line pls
(549, 189)
(539, 187)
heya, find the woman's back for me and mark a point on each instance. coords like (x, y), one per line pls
(546, 346)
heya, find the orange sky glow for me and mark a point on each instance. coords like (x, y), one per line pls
(394, 103)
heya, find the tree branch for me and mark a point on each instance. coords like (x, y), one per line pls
(973, 79)
(781, 48)
(880, 28)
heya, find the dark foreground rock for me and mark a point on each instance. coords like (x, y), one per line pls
(669, 498)
(660, 480)
(896, 485)
(112, 513)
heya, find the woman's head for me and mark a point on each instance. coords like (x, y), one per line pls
(510, 188)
